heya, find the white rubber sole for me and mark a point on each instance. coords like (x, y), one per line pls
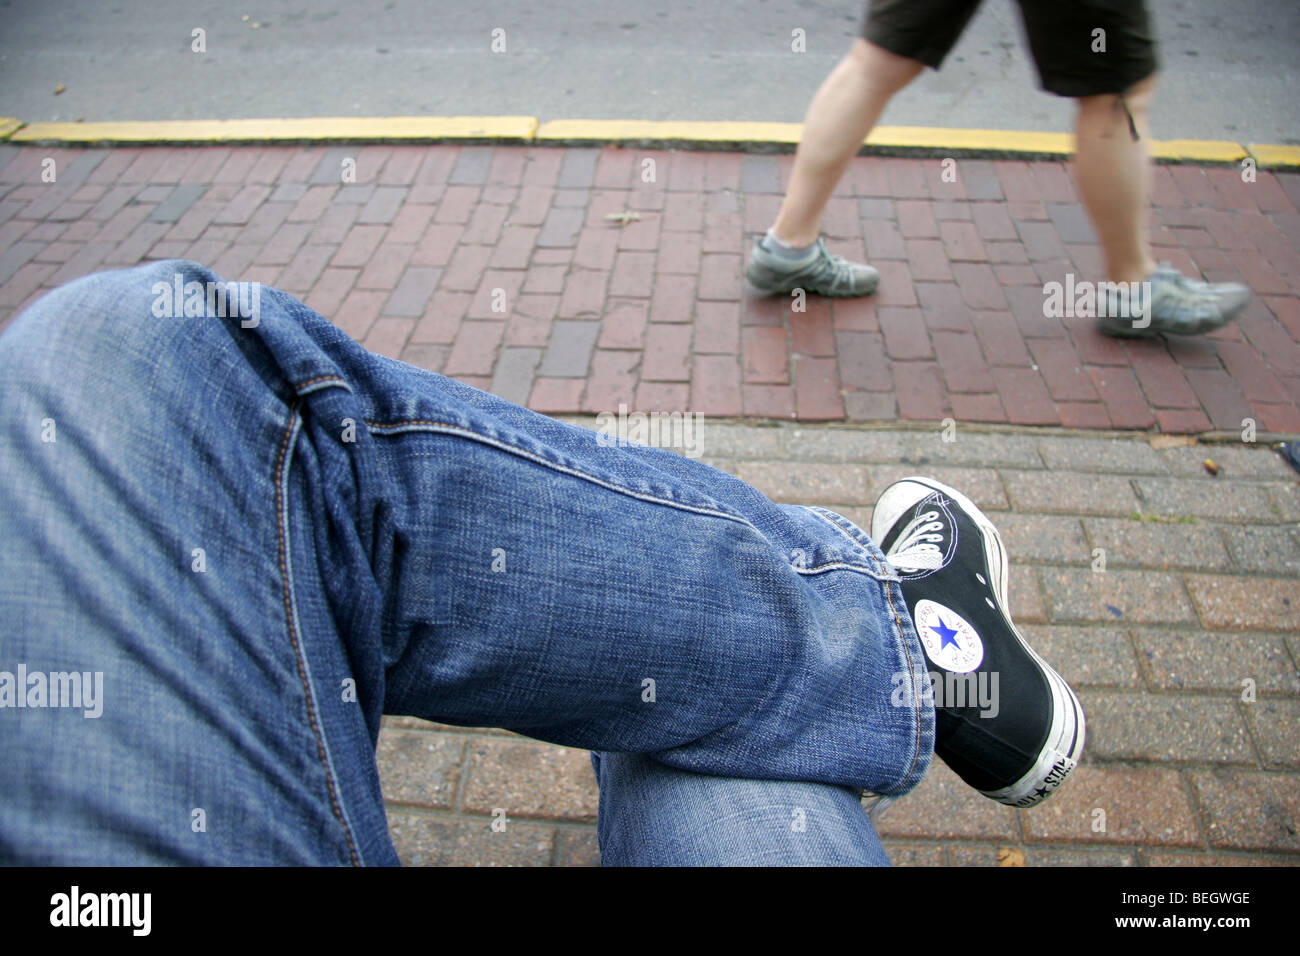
(1064, 744)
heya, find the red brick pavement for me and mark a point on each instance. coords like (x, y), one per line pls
(499, 266)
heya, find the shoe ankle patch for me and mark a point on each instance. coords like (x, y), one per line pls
(948, 638)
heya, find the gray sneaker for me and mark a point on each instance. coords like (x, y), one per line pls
(823, 274)
(1177, 305)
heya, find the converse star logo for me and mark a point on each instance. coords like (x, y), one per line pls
(947, 637)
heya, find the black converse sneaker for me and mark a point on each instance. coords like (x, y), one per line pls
(1005, 722)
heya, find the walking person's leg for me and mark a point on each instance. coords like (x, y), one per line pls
(842, 114)
(899, 39)
(1113, 169)
(1103, 54)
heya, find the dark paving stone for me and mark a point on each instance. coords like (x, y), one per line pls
(178, 202)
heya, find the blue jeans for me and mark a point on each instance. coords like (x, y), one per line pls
(249, 538)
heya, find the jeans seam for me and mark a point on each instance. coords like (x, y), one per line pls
(384, 428)
(879, 569)
(907, 653)
(872, 573)
(320, 381)
(281, 469)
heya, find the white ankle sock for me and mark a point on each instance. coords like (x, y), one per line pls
(786, 251)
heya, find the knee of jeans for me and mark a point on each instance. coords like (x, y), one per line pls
(97, 316)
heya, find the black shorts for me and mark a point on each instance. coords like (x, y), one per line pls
(1062, 34)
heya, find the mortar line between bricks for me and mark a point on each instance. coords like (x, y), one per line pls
(1241, 707)
(1058, 565)
(1286, 649)
(1263, 482)
(1258, 481)
(1002, 485)
(1036, 846)
(1150, 686)
(1218, 694)
(1137, 492)
(1191, 602)
(1234, 565)
(438, 813)
(1018, 819)
(1139, 764)
(1202, 817)
(1263, 439)
(1086, 844)
(1041, 591)
(1144, 667)
(1089, 541)
(458, 798)
(1191, 853)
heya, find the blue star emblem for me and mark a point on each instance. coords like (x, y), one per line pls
(948, 634)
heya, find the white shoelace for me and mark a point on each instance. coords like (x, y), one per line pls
(917, 548)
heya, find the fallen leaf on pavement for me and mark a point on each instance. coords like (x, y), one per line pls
(1010, 856)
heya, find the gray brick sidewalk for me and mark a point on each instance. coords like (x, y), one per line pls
(1165, 595)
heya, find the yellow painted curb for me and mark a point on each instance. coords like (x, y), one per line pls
(685, 131)
(1197, 150)
(1272, 156)
(906, 140)
(932, 139)
(310, 129)
(938, 139)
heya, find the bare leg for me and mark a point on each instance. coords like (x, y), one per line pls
(846, 107)
(1114, 175)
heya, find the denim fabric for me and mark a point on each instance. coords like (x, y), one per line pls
(265, 537)
(652, 815)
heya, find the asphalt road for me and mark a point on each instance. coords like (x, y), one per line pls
(1230, 67)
